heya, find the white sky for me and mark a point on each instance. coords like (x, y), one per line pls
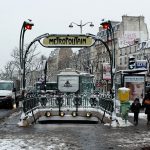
(54, 17)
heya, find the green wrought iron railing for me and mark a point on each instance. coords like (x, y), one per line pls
(70, 101)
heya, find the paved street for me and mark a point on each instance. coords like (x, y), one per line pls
(72, 136)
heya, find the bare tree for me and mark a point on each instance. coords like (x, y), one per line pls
(9, 71)
(30, 58)
(13, 68)
(36, 71)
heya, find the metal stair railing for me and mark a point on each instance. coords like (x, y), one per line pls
(70, 101)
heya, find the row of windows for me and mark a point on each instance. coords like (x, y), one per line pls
(135, 48)
(128, 50)
(124, 60)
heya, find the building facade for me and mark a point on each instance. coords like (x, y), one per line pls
(127, 38)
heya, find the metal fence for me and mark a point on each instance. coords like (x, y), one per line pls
(70, 101)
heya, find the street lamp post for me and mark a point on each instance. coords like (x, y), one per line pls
(81, 25)
(27, 51)
(108, 27)
(97, 38)
(27, 25)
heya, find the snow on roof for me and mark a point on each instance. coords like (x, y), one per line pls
(69, 73)
(8, 81)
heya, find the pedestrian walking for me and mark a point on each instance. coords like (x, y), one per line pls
(135, 108)
(146, 105)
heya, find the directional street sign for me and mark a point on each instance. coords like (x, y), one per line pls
(72, 40)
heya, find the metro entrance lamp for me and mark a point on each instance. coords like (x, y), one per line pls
(27, 25)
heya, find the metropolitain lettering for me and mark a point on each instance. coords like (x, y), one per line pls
(67, 41)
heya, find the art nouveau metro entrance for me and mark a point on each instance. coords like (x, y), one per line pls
(64, 104)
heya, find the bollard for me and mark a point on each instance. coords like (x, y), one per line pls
(123, 95)
(124, 110)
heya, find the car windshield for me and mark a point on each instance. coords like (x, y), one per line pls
(6, 86)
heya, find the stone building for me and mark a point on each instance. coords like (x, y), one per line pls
(129, 38)
(133, 31)
(59, 59)
(125, 40)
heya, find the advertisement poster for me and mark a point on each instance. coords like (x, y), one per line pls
(106, 71)
(129, 37)
(136, 86)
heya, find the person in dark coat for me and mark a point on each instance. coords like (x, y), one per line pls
(135, 108)
(146, 105)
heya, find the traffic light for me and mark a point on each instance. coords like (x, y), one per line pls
(106, 25)
(131, 64)
(28, 25)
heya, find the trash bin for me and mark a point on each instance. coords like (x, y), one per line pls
(123, 96)
(124, 109)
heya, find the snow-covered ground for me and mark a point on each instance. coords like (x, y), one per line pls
(126, 136)
(53, 143)
(141, 115)
(122, 123)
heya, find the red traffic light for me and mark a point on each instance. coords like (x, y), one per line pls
(28, 26)
(105, 25)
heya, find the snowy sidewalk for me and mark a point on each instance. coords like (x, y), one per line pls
(130, 122)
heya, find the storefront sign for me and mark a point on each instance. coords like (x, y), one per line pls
(141, 64)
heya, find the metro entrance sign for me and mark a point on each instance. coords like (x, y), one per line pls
(68, 40)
